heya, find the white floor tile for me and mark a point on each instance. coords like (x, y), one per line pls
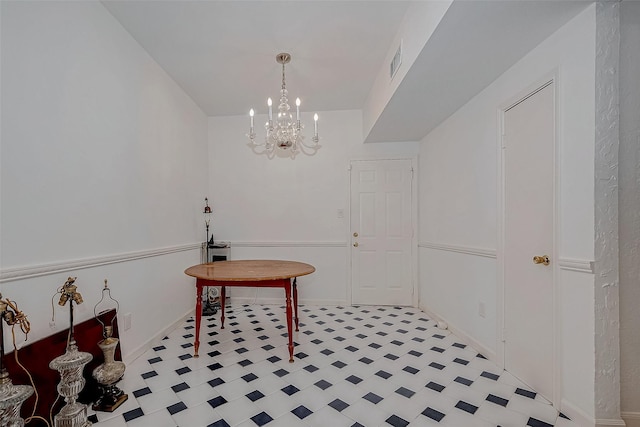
(113, 422)
(158, 400)
(459, 419)
(366, 413)
(325, 417)
(531, 407)
(160, 418)
(244, 368)
(276, 404)
(196, 416)
(498, 416)
(237, 411)
(288, 420)
(195, 396)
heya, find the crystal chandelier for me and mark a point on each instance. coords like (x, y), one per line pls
(284, 133)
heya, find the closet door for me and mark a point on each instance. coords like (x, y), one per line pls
(529, 151)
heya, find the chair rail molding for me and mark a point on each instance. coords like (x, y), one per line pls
(290, 244)
(26, 272)
(468, 250)
(569, 264)
(579, 265)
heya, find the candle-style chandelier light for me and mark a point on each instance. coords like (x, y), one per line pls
(284, 133)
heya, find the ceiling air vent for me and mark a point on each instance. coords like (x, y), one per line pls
(395, 62)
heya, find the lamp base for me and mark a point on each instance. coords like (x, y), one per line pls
(11, 399)
(70, 366)
(211, 307)
(72, 415)
(110, 399)
(107, 375)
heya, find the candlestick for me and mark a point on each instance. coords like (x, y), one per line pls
(315, 125)
(269, 102)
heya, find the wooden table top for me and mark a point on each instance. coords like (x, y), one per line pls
(249, 270)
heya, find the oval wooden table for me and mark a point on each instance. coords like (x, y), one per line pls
(252, 273)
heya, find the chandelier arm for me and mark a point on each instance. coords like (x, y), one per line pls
(314, 143)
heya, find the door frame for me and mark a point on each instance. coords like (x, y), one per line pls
(549, 79)
(414, 222)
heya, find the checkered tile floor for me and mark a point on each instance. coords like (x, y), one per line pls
(355, 366)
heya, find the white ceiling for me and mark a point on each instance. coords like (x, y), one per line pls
(222, 53)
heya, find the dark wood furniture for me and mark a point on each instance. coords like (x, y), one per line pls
(37, 355)
(253, 273)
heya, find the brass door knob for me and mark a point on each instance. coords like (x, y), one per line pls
(355, 245)
(355, 234)
(544, 259)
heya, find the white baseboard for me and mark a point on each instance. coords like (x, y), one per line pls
(631, 418)
(151, 342)
(579, 417)
(480, 348)
(576, 414)
(610, 423)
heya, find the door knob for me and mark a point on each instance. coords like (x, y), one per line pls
(355, 234)
(355, 245)
(544, 259)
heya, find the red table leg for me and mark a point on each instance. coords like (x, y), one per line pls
(196, 344)
(295, 300)
(223, 298)
(287, 291)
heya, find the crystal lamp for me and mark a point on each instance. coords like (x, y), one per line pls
(111, 371)
(11, 396)
(70, 365)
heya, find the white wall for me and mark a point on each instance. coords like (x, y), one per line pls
(103, 168)
(629, 208)
(287, 208)
(458, 205)
(419, 23)
(103, 157)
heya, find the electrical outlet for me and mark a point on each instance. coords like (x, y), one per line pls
(52, 325)
(481, 310)
(127, 321)
(340, 213)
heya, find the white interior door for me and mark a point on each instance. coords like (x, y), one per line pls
(529, 147)
(381, 232)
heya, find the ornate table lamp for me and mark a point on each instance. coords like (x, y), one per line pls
(70, 365)
(111, 371)
(209, 308)
(207, 220)
(11, 396)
